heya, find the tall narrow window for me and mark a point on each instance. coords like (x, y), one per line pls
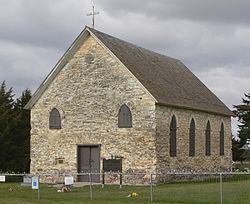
(124, 117)
(208, 139)
(173, 137)
(54, 119)
(222, 139)
(192, 138)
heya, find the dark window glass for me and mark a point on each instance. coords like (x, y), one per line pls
(54, 119)
(124, 117)
(222, 139)
(208, 139)
(173, 137)
(192, 138)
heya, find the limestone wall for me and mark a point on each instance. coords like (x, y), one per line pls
(88, 93)
(183, 162)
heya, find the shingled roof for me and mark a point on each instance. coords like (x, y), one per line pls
(167, 79)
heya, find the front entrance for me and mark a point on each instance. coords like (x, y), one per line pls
(88, 161)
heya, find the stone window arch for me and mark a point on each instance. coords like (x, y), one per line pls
(124, 117)
(192, 138)
(222, 136)
(173, 128)
(208, 139)
(54, 119)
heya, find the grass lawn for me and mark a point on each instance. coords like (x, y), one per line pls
(234, 192)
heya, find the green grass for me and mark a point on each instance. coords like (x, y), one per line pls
(234, 192)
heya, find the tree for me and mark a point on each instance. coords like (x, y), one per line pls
(243, 114)
(22, 131)
(19, 136)
(14, 131)
(6, 115)
(237, 151)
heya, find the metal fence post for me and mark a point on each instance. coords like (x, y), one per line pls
(221, 190)
(103, 179)
(151, 188)
(90, 186)
(38, 190)
(120, 180)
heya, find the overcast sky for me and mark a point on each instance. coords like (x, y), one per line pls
(212, 37)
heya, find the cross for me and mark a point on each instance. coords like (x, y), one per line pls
(93, 13)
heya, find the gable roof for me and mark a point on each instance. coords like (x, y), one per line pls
(167, 79)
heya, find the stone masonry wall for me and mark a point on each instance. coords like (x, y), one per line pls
(183, 162)
(88, 93)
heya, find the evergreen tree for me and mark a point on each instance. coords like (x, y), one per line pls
(6, 115)
(14, 131)
(237, 150)
(243, 114)
(6, 106)
(18, 132)
(22, 131)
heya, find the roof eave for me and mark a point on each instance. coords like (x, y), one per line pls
(197, 109)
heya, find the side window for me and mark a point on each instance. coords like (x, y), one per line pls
(222, 139)
(54, 119)
(208, 139)
(173, 137)
(124, 117)
(192, 138)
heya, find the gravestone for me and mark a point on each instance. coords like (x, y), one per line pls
(68, 180)
(2, 178)
(27, 181)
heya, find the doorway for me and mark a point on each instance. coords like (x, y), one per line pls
(88, 161)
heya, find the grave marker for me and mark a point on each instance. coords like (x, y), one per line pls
(2, 179)
(69, 180)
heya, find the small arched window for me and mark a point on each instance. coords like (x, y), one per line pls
(173, 137)
(222, 139)
(54, 119)
(124, 117)
(208, 139)
(192, 138)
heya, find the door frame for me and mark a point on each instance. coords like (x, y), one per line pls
(88, 145)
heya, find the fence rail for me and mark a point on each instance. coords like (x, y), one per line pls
(221, 188)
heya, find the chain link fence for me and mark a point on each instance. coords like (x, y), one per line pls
(221, 188)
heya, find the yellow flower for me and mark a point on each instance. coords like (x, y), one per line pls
(134, 194)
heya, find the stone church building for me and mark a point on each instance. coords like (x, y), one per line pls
(107, 98)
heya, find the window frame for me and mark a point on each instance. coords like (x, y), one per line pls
(173, 137)
(222, 139)
(125, 117)
(208, 139)
(55, 121)
(192, 138)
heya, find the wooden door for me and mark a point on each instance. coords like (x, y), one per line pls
(88, 162)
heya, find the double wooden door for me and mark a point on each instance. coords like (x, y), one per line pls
(88, 162)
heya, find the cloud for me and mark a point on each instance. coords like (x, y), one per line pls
(25, 66)
(210, 37)
(226, 84)
(223, 11)
(42, 23)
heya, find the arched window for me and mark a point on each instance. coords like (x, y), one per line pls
(222, 139)
(208, 139)
(173, 137)
(192, 138)
(54, 119)
(124, 117)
